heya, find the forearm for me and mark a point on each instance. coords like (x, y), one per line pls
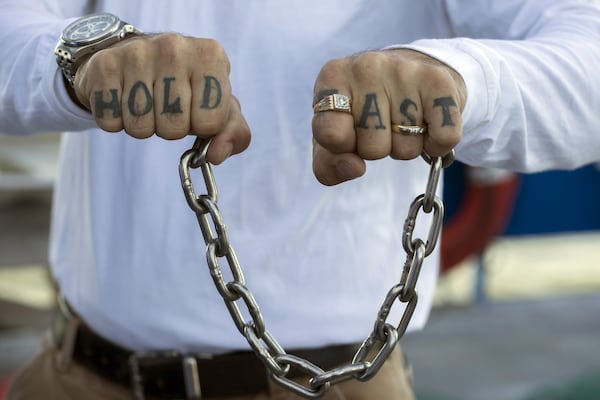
(531, 103)
(34, 98)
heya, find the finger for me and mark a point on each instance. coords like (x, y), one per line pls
(441, 112)
(233, 139)
(211, 90)
(172, 96)
(334, 130)
(406, 111)
(104, 89)
(172, 92)
(331, 168)
(138, 97)
(371, 106)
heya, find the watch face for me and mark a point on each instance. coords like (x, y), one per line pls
(90, 28)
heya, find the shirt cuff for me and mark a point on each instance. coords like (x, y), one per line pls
(81, 118)
(65, 107)
(479, 91)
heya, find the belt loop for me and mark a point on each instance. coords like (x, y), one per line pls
(191, 378)
(65, 334)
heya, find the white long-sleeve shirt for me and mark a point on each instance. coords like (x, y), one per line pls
(125, 248)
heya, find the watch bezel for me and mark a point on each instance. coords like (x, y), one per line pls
(116, 22)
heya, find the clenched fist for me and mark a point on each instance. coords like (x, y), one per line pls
(386, 89)
(169, 85)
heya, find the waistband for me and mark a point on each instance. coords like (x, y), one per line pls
(169, 374)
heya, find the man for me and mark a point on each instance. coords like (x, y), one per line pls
(507, 84)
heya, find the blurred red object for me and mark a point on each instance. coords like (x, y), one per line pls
(4, 382)
(483, 214)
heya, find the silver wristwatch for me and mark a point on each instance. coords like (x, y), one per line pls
(86, 36)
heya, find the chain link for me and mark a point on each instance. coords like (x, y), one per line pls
(380, 343)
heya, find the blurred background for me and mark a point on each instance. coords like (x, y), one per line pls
(517, 310)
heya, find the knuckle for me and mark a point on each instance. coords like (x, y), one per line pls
(208, 126)
(438, 78)
(104, 64)
(172, 126)
(332, 70)
(405, 71)
(372, 152)
(110, 125)
(366, 65)
(135, 54)
(456, 138)
(172, 133)
(139, 128)
(334, 132)
(139, 132)
(406, 152)
(213, 120)
(212, 51)
(449, 139)
(212, 47)
(328, 135)
(170, 47)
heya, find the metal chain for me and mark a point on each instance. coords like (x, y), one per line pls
(376, 348)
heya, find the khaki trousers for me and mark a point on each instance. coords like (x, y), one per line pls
(48, 376)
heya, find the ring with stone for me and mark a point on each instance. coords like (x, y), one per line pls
(334, 102)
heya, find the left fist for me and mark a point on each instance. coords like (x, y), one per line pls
(402, 103)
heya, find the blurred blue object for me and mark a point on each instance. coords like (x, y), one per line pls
(547, 202)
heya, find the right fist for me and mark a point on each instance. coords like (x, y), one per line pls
(169, 85)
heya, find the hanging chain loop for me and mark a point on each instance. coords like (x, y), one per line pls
(380, 343)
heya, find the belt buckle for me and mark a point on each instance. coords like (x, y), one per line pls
(189, 365)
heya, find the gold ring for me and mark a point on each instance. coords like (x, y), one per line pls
(333, 102)
(409, 130)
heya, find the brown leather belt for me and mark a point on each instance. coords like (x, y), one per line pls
(164, 375)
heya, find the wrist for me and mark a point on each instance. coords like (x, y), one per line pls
(71, 92)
